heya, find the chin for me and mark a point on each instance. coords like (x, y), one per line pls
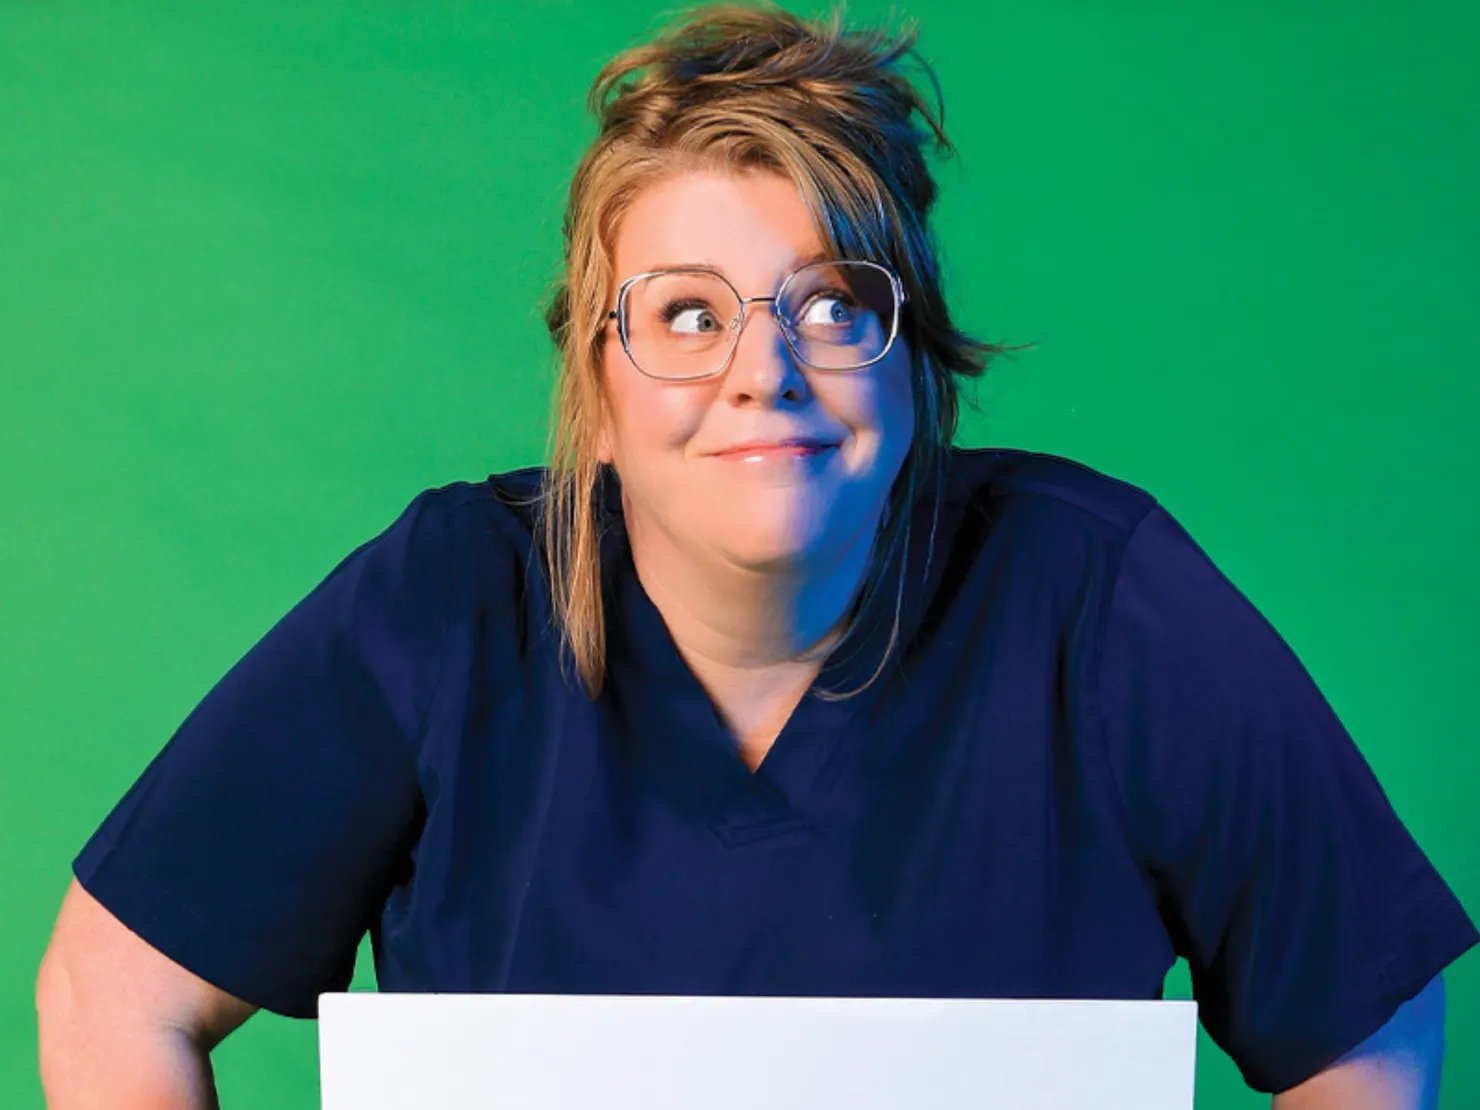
(770, 545)
(767, 559)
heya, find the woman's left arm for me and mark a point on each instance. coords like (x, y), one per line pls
(1308, 914)
(1397, 1068)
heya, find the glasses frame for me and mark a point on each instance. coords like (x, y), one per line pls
(736, 326)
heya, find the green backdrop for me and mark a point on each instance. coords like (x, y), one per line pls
(268, 270)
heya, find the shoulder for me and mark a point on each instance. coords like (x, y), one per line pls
(1000, 479)
(506, 499)
(1056, 519)
(482, 516)
(473, 547)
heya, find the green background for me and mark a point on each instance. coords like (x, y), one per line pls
(268, 270)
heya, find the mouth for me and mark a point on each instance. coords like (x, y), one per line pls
(760, 451)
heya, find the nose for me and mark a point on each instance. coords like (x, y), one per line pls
(762, 370)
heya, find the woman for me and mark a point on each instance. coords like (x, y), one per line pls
(762, 687)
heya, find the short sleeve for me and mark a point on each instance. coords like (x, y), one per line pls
(1306, 911)
(260, 843)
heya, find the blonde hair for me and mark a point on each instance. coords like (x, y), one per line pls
(739, 87)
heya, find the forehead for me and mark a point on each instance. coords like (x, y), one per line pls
(753, 226)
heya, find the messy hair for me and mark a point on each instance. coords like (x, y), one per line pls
(740, 87)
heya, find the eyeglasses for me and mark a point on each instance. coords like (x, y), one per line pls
(683, 323)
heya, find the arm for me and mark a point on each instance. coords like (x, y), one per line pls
(121, 1025)
(1397, 1068)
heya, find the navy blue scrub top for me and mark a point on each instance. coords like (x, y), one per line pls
(1092, 755)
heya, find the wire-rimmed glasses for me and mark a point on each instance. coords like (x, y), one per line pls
(683, 323)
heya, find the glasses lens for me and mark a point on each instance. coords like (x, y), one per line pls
(841, 314)
(680, 325)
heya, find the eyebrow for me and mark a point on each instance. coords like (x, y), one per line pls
(822, 254)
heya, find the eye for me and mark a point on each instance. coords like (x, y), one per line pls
(828, 309)
(691, 318)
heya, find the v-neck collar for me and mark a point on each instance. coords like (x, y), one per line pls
(680, 735)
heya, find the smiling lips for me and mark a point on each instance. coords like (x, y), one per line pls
(797, 447)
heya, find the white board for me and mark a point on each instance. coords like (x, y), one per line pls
(400, 1051)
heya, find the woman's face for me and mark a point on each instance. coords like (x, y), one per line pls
(710, 469)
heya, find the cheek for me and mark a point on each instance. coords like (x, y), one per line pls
(897, 398)
(646, 417)
(879, 406)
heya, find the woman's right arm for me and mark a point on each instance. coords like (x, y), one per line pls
(258, 845)
(121, 1025)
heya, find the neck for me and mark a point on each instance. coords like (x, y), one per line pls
(742, 618)
(754, 639)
